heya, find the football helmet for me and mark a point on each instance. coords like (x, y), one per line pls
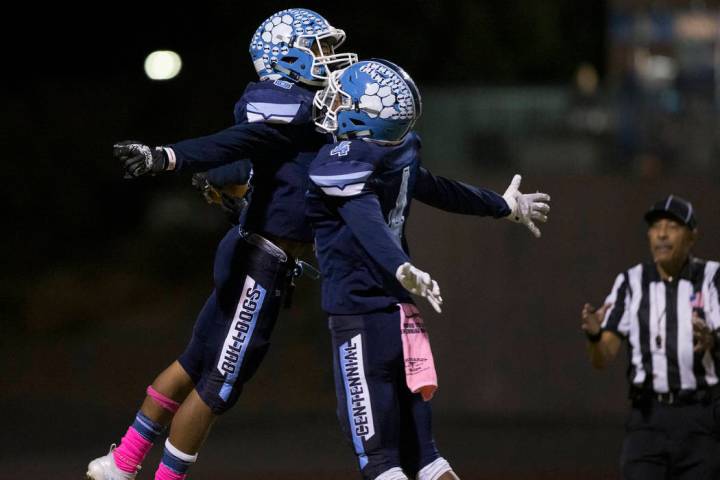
(372, 99)
(298, 44)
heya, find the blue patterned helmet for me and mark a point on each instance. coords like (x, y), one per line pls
(373, 99)
(298, 44)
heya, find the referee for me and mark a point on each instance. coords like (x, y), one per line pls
(668, 312)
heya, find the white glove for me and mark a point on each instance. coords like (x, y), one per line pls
(526, 208)
(418, 282)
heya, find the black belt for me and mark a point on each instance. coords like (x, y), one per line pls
(642, 397)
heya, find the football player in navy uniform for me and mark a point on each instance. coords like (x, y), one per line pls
(293, 52)
(358, 203)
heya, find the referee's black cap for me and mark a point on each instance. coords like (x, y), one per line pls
(673, 207)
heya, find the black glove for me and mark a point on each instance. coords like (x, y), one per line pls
(200, 183)
(231, 205)
(139, 159)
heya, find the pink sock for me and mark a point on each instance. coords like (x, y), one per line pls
(165, 473)
(131, 452)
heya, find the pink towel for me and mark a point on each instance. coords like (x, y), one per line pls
(419, 364)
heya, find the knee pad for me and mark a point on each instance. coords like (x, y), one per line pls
(435, 470)
(212, 391)
(163, 401)
(393, 474)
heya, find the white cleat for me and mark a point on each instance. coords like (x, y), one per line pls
(104, 468)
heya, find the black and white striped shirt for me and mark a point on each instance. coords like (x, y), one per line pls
(655, 317)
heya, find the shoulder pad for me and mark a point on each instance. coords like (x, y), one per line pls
(278, 102)
(341, 169)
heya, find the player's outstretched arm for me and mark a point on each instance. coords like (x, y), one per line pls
(138, 159)
(245, 140)
(458, 197)
(526, 208)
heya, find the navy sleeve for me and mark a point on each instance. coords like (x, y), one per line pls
(363, 216)
(458, 197)
(236, 173)
(246, 140)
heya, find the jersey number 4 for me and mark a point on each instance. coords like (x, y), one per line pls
(396, 217)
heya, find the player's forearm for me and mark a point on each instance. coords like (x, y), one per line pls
(237, 142)
(458, 197)
(236, 173)
(364, 217)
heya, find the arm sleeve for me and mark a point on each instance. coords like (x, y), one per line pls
(236, 173)
(245, 140)
(363, 215)
(458, 197)
(617, 318)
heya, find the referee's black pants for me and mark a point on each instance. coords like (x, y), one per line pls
(664, 442)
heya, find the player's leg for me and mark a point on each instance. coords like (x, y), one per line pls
(367, 355)
(190, 428)
(166, 393)
(249, 286)
(150, 421)
(163, 399)
(419, 456)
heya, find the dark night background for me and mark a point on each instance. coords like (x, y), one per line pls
(102, 277)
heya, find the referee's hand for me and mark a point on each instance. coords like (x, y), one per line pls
(703, 338)
(592, 318)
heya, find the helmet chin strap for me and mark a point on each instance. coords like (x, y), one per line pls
(296, 77)
(362, 134)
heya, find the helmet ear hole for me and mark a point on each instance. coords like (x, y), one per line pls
(355, 121)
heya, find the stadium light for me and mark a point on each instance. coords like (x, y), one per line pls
(162, 65)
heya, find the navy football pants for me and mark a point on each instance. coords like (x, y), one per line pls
(232, 331)
(388, 425)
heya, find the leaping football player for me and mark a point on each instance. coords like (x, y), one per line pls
(358, 203)
(293, 52)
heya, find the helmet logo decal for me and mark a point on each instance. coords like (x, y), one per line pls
(378, 101)
(389, 96)
(274, 38)
(278, 30)
(283, 31)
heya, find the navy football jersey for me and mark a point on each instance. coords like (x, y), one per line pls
(358, 205)
(274, 130)
(359, 202)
